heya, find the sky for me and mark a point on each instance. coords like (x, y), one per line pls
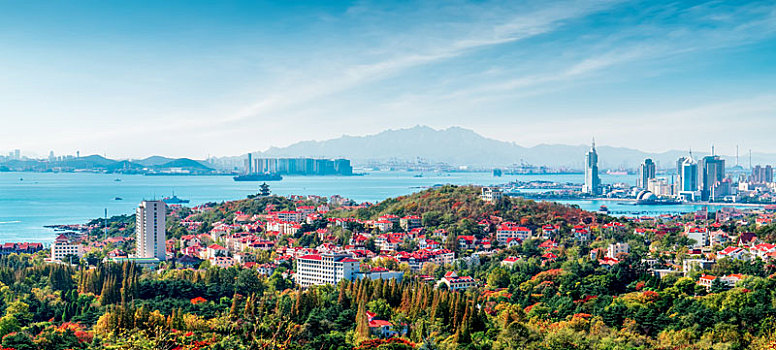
(198, 78)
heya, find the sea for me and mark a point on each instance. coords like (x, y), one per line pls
(30, 201)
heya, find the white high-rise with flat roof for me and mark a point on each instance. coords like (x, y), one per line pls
(150, 230)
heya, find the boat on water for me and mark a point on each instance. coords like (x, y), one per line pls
(117, 180)
(417, 175)
(118, 199)
(603, 209)
(174, 200)
(258, 177)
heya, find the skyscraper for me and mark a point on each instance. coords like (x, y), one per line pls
(688, 175)
(712, 172)
(647, 171)
(150, 230)
(762, 174)
(592, 181)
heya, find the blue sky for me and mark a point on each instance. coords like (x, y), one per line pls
(192, 78)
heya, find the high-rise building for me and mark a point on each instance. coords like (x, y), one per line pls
(298, 166)
(660, 187)
(712, 172)
(647, 171)
(761, 174)
(688, 175)
(150, 230)
(592, 181)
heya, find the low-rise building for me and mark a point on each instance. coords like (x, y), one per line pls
(456, 283)
(491, 194)
(616, 249)
(62, 248)
(409, 222)
(509, 230)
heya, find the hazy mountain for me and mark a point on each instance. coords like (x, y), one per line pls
(156, 164)
(459, 146)
(185, 163)
(153, 161)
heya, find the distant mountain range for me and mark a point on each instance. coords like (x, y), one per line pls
(458, 146)
(150, 165)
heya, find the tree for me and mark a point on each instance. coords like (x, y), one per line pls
(498, 278)
(18, 341)
(9, 324)
(362, 323)
(717, 286)
(381, 308)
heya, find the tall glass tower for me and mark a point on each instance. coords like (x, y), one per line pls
(592, 181)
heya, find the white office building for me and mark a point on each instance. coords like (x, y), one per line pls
(150, 230)
(317, 269)
(61, 249)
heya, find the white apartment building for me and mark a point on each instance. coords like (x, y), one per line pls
(699, 235)
(150, 230)
(290, 215)
(491, 194)
(615, 249)
(317, 269)
(62, 247)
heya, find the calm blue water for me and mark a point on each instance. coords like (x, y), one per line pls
(72, 198)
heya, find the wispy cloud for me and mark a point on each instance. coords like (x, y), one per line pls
(515, 27)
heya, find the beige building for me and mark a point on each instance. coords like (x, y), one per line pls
(62, 248)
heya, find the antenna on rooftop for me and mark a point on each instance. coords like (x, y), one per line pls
(736, 155)
(105, 224)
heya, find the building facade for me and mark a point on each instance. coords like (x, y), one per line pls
(298, 166)
(150, 231)
(761, 174)
(491, 194)
(711, 175)
(647, 171)
(687, 172)
(592, 180)
(62, 248)
(318, 269)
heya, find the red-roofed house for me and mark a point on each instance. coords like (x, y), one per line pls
(456, 283)
(736, 253)
(428, 244)
(214, 250)
(509, 230)
(510, 261)
(409, 222)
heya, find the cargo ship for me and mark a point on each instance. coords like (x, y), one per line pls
(258, 177)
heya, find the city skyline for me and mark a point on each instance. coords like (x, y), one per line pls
(737, 153)
(225, 79)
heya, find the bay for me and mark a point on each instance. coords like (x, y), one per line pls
(29, 201)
